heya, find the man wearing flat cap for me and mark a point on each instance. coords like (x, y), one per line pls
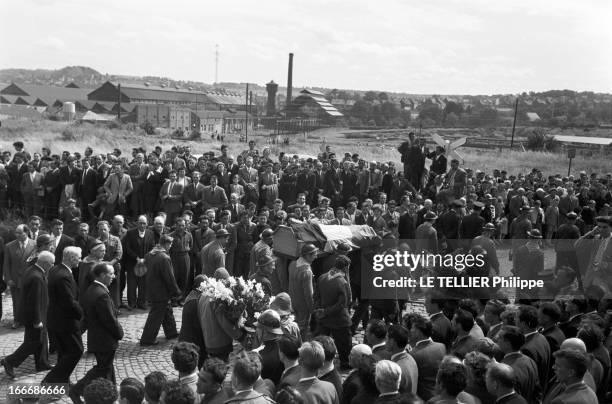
(564, 240)
(485, 240)
(213, 254)
(456, 179)
(595, 255)
(69, 177)
(472, 224)
(262, 248)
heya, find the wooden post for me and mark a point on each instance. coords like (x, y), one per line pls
(119, 102)
(514, 122)
(246, 115)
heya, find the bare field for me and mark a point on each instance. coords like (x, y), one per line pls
(370, 145)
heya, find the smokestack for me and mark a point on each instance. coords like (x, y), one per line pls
(290, 79)
(271, 87)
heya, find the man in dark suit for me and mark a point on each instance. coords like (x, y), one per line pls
(136, 245)
(500, 382)
(63, 317)
(161, 287)
(549, 315)
(426, 235)
(53, 191)
(442, 330)
(151, 188)
(15, 170)
(33, 315)
(103, 329)
(536, 346)
(426, 353)
(235, 208)
(69, 177)
(472, 224)
(448, 224)
(438, 161)
(16, 254)
(61, 240)
(87, 187)
(269, 327)
(510, 341)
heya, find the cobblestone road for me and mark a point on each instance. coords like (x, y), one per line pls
(131, 359)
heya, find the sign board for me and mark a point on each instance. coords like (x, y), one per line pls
(571, 153)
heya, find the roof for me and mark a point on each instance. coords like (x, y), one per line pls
(45, 92)
(321, 101)
(21, 111)
(312, 92)
(532, 116)
(603, 141)
(92, 116)
(210, 114)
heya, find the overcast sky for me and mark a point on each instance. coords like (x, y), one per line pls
(433, 46)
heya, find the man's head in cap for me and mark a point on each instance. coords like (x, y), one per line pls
(269, 323)
(221, 273)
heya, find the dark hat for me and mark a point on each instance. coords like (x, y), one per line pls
(604, 219)
(343, 248)
(282, 304)
(478, 205)
(222, 233)
(430, 216)
(458, 203)
(488, 196)
(270, 321)
(535, 233)
(42, 240)
(309, 248)
(267, 233)
(18, 144)
(571, 215)
(525, 209)
(489, 226)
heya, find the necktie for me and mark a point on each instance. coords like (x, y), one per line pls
(84, 174)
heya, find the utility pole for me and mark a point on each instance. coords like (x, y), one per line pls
(216, 63)
(514, 122)
(119, 102)
(246, 114)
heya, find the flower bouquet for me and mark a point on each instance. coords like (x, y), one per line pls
(237, 298)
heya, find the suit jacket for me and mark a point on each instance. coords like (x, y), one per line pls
(438, 164)
(537, 348)
(84, 244)
(316, 391)
(103, 328)
(193, 194)
(427, 355)
(64, 312)
(442, 330)
(14, 266)
(172, 196)
(116, 187)
(212, 257)
(29, 187)
(526, 374)
(34, 297)
(410, 372)
(515, 398)
(578, 393)
(235, 211)
(132, 249)
(70, 177)
(15, 175)
(471, 226)
(271, 366)
(87, 187)
(65, 241)
(462, 345)
(213, 198)
(426, 239)
(160, 282)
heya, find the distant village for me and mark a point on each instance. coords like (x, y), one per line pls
(228, 108)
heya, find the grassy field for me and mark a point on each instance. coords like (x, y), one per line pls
(59, 136)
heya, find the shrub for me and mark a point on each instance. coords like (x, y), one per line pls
(195, 135)
(68, 135)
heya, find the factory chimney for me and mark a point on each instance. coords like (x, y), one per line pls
(271, 87)
(289, 79)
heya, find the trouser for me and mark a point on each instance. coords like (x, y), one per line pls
(302, 318)
(69, 350)
(242, 263)
(136, 291)
(160, 314)
(221, 353)
(16, 298)
(360, 315)
(181, 264)
(103, 368)
(34, 343)
(342, 339)
(115, 293)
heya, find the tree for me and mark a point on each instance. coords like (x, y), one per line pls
(488, 116)
(361, 109)
(389, 110)
(451, 120)
(431, 113)
(453, 108)
(370, 96)
(383, 97)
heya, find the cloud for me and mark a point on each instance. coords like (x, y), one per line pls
(52, 43)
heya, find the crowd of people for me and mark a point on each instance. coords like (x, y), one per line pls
(94, 236)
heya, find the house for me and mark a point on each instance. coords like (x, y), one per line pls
(533, 117)
(164, 116)
(313, 104)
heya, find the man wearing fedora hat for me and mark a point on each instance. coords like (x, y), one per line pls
(564, 239)
(300, 286)
(264, 269)
(213, 253)
(261, 248)
(520, 227)
(528, 260)
(485, 240)
(426, 235)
